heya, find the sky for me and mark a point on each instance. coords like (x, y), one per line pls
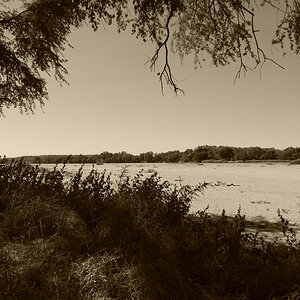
(114, 103)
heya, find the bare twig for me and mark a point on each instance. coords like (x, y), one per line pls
(261, 57)
(166, 73)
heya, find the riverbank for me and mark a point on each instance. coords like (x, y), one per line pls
(90, 239)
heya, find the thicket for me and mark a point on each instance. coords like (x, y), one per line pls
(93, 238)
(199, 154)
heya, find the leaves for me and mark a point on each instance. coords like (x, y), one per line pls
(34, 35)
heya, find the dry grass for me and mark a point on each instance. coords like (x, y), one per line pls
(86, 239)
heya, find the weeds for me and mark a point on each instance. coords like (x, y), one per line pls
(91, 238)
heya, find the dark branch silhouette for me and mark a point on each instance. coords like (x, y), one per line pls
(166, 73)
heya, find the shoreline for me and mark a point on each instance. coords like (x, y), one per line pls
(177, 163)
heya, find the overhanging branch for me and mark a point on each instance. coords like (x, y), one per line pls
(165, 75)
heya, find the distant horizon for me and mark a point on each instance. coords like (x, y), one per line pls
(138, 153)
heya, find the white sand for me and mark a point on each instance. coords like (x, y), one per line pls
(259, 188)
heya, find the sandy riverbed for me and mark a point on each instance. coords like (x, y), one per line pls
(259, 188)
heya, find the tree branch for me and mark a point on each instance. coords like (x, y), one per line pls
(259, 61)
(13, 17)
(166, 73)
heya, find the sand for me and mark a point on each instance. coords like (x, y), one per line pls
(259, 188)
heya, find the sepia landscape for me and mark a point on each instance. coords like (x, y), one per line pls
(260, 189)
(149, 149)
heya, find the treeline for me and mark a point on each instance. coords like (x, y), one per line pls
(199, 154)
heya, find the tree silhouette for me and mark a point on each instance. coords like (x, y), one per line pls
(34, 34)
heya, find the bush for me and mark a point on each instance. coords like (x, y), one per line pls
(88, 238)
(295, 162)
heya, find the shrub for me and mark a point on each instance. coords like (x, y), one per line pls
(89, 238)
(295, 162)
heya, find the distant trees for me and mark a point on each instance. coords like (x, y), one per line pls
(172, 156)
(34, 35)
(226, 153)
(120, 157)
(199, 154)
(147, 157)
(257, 153)
(249, 153)
(186, 155)
(291, 153)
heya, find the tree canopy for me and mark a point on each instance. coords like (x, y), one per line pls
(200, 154)
(34, 35)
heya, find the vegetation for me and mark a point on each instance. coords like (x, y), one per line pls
(34, 35)
(295, 162)
(91, 238)
(199, 154)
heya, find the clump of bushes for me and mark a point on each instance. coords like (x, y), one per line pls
(92, 238)
(295, 162)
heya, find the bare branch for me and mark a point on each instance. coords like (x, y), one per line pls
(166, 74)
(259, 60)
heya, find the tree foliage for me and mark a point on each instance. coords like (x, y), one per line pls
(34, 34)
(197, 155)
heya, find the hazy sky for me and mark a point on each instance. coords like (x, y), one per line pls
(114, 103)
